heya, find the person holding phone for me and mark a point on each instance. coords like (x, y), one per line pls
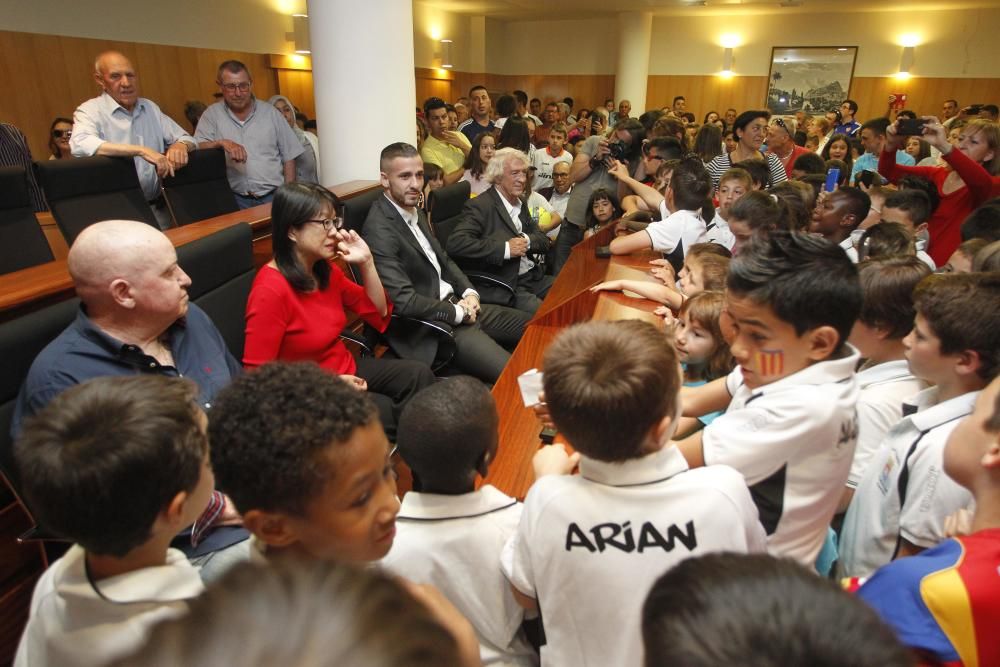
(968, 179)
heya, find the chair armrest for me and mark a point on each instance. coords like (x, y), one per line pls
(486, 279)
(444, 333)
(350, 336)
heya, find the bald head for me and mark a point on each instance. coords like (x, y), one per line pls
(111, 250)
(116, 76)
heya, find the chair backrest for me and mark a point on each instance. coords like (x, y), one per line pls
(21, 340)
(447, 202)
(201, 189)
(356, 209)
(86, 190)
(22, 241)
(222, 270)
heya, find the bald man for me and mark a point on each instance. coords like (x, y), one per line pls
(135, 318)
(120, 123)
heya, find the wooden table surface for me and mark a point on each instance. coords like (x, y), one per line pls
(569, 301)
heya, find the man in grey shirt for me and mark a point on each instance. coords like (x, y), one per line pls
(260, 146)
(120, 123)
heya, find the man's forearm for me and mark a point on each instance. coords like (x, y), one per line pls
(289, 168)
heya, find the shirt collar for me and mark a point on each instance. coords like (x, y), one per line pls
(930, 415)
(110, 106)
(409, 217)
(512, 210)
(124, 352)
(656, 467)
(176, 580)
(435, 507)
(889, 371)
(229, 112)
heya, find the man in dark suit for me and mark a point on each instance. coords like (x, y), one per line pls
(496, 236)
(423, 282)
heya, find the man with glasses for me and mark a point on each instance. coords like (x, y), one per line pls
(120, 123)
(848, 123)
(260, 146)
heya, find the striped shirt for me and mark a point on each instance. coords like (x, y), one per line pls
(14, 152)
(719, 165)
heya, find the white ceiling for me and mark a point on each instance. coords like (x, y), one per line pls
(577, 9)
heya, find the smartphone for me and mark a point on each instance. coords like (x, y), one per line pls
(832, 177)
(974, 109)
(869, 178)
(910, 127)
(603, 251)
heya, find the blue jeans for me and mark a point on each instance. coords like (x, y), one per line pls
(249, 202)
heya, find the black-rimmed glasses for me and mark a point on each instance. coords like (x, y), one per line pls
(329, 224)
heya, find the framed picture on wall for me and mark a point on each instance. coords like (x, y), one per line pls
(813, 79)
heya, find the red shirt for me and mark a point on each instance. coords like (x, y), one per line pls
(946, 222)
(796, 152)
(289, 325)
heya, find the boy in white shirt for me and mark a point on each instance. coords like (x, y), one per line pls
(912, 209)
(901, 502)
(119, 466)
(688, 195)
(449, 533)
(546, 158)
(791, 424)
(885, 380)
(589, 546)
(838, 214)
(733, 184)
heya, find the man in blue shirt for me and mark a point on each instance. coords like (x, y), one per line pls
(848, 123)
(873, 139)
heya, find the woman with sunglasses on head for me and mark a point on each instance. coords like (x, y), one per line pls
(59, 134)
(299, 301)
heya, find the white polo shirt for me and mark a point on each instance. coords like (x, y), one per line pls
(883, 387)
(876, 518)
(681, 229)
(793, 440)
(718, 231)
(590, 546)
(75, 621)
(454, 543)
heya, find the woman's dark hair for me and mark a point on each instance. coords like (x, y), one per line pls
(708, 142)
(709, 114)
(506, 106)
(473, 162)
(294, 204)
(848, 160)
(596, 196)
(515, 135)
(747, 117)
(638, 133)
(924, 152)
(52, 140)
(432, 171)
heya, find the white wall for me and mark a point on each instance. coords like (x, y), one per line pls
(255, 26)
(579, 46)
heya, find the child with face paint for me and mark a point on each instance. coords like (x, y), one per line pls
(790, 426)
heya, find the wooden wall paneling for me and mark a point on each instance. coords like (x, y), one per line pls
(924, 95)
(707, 93)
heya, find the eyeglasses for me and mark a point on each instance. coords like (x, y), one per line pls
(329, 224)
(59, 134)
(243, 86)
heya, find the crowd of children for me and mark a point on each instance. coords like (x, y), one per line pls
(817, 401)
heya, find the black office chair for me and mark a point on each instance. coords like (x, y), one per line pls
(22, 242)
(355, 213)
(201, 189)
(221, 269)
(86, 190)
(444, 209)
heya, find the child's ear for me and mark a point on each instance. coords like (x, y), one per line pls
(272, 528)
(662, 431)
(849, 220)
(173, 514)
(823, 342)
(922, 227)
(967, 363)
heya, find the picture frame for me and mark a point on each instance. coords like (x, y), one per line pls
(813, 79)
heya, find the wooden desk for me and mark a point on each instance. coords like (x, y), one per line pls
(569, 301)
(30, 289)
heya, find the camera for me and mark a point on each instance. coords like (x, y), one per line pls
(618, 151)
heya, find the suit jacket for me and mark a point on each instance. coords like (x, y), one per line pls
(410, 279)
(479, 240)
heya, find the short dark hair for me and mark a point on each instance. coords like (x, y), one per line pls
(759, 171)
(233, 67)
(521, 97)
(983, 223)
(569, 101)
(748, 117)
(608, 383)
(293, 205)
(810, 163)
(792, 203)
(858, 203)
(432, 171)
(886, 239)
(445, 432)
(478, 87)
(852, 105)
(396, 150)
(961, 309)
(506, 106)
(104, 458)
(953, 101)
(432, 103)
(887, 286)
(679, 97)
(535, 99)
(906, 113)
(876, 125)
(992, 109)
(668, 147)
(730, 608)
(914, 182)
(271, 428)
(806, 280)
(915, 202)
(649, 118)
(691, 184)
